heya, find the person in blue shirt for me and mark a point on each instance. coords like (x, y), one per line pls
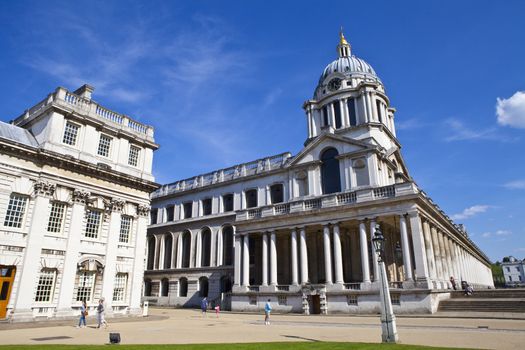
(204, 306)
(267, 310)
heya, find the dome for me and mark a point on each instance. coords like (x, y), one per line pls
(348, 66)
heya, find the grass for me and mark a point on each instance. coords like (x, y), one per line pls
(247, 346)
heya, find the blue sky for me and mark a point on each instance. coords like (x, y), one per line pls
(223, 82)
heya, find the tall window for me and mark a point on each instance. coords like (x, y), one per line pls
(94, 219)
(153, 216)
(125, 228)
(15, 211)
(119, 290)
(227, 202)
(206, 247)
(86, 285)
(170, 213)
(46, 285)
(325, 116)
(330, 176)
(186, 249)
(56, 217)
(70, 134)
(251, 198)
(151, 253)
(104, 145)
(206, 206)
(379, 111)
(337, 114)
(133, 158)
(351, 112)
(188, 208)
(276, 193)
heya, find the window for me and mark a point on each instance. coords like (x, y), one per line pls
(164, 287)
(282, 300)
(94, 218)
(337, 114)
(276, 193)
(147, 288)
(46, 285)
(188, 208)
(351, 112)
(15, 211)
(70, 134)
(251, 198)
(518, 268)
(325, 116)
(104, 145)
(206, 206)
(396, 298)
(86, 284)
(330, 176)
(227, 202)
(153, 216)
(56, 217)
(134, 153)
(119, 290)
(351, 299)
(170, 213)
(125, 228)
(508, 269)
(379, 111)
(183, 287)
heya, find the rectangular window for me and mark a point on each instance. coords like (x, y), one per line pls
(351, 112)
(15, 211)
(282, 300)
(56, 217)
(206, 206)
(46, 285)
(125, 229)
(70, 134)
(170, 212)
(119, 290)
(251, 198)
(86, 284)
(188, 208)
(337, 115)
(134, 153)
(104, 145)
(379, 111)
(351, 299)
(325, 116)
(153, 216)
(396, 298)
(94, 219)
(227, 202)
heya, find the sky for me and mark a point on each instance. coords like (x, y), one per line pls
(223, 82)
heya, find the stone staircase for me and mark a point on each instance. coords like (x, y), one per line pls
(491, 300)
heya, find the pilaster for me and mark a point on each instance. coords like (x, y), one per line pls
(138, 264)
(422, 277)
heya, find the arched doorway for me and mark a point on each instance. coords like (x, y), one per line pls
(203, 287)
(186, 248)
(330, 173)
(205, 247)
(168, 248)
(227, 245)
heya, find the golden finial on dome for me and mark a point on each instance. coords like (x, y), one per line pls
(342, 40)
(343, 49)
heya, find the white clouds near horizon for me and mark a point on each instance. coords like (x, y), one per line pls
(470, 212)
(511, 111)
(515, 185)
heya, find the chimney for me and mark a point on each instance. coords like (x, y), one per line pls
(84, 91)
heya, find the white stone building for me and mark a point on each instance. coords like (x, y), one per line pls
(514, 272)
(75, 180)
(297, 229)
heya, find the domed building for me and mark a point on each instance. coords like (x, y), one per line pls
(297, 229)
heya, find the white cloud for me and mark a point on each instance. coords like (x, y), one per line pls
(457, 131)
(486, 234)
(500, 233)
(470, 211)
(511, 111)
(410, 124)
(515, 185)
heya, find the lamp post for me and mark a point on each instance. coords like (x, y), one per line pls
(388, 319)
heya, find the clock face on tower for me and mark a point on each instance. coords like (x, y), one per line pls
(334, 84)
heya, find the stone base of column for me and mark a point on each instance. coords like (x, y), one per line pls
(240, 289)
(366, 285)
(267, 289)
(423, 283)
(22, 315)
(409, 284)
(335, 287)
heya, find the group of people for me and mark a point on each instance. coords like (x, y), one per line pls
(217, 308)
(101, 320)
(467, 288)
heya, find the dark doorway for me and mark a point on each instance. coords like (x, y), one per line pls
(203, 287)
(151, 253)
(227, 245)
(206, 247)
(186, 249)
(315, 304)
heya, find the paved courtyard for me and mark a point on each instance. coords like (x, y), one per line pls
(188, 326)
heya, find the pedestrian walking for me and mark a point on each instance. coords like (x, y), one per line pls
(204, 306)
(217, 310)
(267, 310)
(83, 314)
(101, 320)
(453, 282)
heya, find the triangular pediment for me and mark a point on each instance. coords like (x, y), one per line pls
(344, 145)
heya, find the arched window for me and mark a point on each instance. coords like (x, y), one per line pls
(205, 247)
(251, 198)
(183, 287)
(168, 248)
(276, 193)
(186, 249)
(151, 253)
(330, 176)
(147, 288)
(203, 287)
(164, 287)
(227, 245)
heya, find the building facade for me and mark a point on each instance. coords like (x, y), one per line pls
(297, 229)
(514, 272)
(75, 180)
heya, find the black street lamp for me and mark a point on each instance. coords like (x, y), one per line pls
(388, 319)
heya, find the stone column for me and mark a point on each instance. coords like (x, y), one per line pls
(419, 250)
(30, 269)
(264, 259)
(273, 259)
(294, 257)
(449, 256)
(407, 261)
(237, 256)
(246, 261)
(304, 256)
(346, 114)
(161, 251)
(444, 262)
(374, 254)
(327, 254)
(338, 260)
(452, 258)
(115, 208)
(173, 251)
(179, 250)
(198, 250)
(430, 250)
(219, 247)
(310, 122)
(137, 279)
(364, 252)
(78, 210)
(332, 114)
(437, 254)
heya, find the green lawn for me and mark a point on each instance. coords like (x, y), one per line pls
(250, 346)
